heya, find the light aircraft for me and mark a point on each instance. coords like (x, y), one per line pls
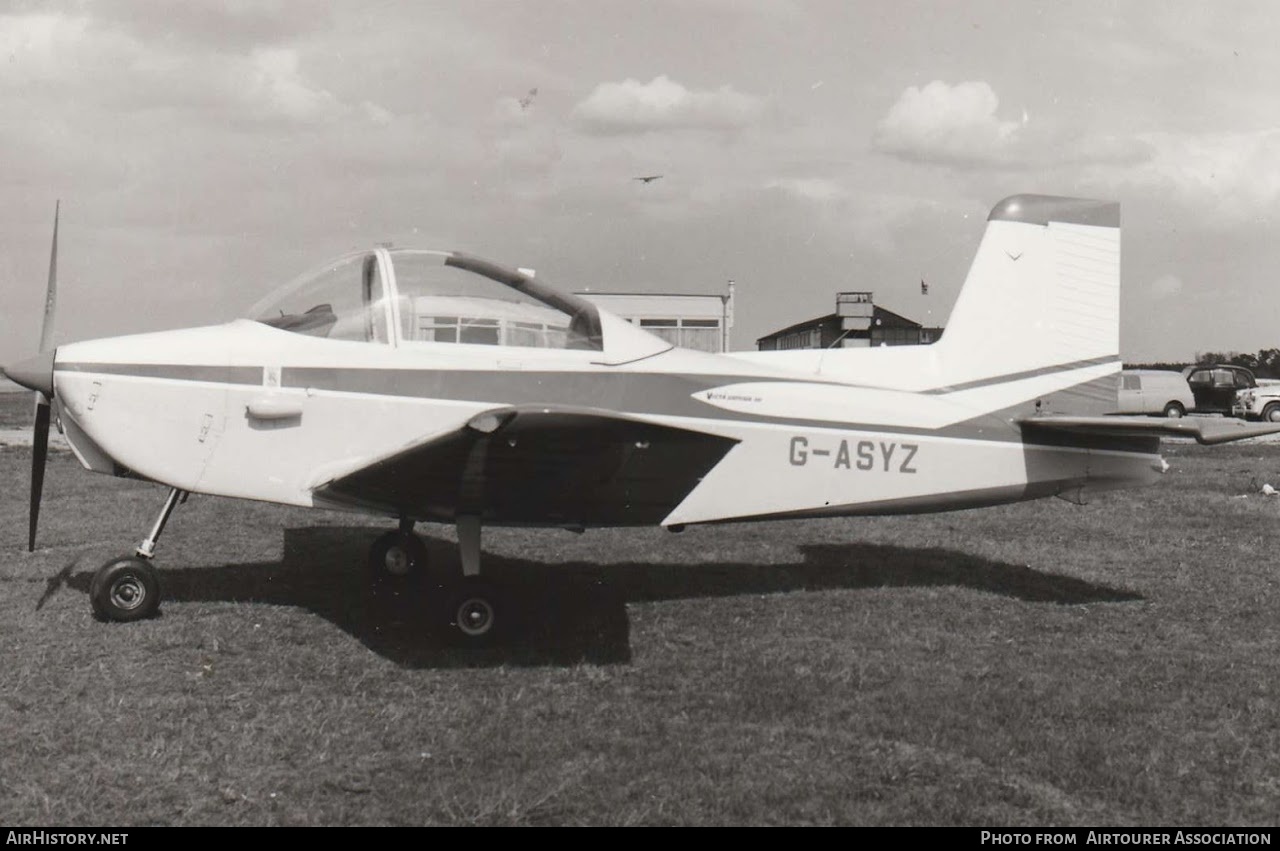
(429, 386)
(648, 178)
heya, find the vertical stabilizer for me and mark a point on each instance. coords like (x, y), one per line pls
(1042, 295)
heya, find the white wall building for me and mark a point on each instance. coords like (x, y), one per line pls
(693, 321)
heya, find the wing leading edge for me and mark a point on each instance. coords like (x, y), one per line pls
(538, 465)
(1206, 430)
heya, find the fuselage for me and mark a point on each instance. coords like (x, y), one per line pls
(250, 411)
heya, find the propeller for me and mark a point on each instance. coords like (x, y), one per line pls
(39, 452)
(36, 373)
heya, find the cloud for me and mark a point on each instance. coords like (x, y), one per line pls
(663, 104)
(947, 124)
(276, 88)
(1228, 178)
(1104, 149)
(225, 25)
(810, 188)
(88, 69)
(41, 48)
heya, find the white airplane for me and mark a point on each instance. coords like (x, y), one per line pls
(433, 386)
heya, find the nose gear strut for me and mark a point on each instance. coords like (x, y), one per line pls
(147, 548)
(128, 588)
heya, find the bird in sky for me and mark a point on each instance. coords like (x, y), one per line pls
(527, 100)
(649, 178)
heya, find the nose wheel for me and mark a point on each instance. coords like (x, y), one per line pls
(125, 589)
(128, 588)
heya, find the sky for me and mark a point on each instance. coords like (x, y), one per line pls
(206, 152)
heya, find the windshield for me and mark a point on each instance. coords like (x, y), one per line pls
(343, 300)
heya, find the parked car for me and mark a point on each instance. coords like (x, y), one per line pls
(1260, 403)
(1157, 392)
(1215, 386)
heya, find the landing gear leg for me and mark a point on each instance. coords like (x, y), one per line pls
(475, 608)
(469, 544)
(147, 548)
(127, 588)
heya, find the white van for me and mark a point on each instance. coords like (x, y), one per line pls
(1155, 391)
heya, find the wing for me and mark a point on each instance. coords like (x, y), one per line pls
(537, 465)
(1207, 430)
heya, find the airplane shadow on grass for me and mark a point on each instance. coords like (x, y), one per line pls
(564, 613)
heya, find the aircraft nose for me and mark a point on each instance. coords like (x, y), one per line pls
(35, 373)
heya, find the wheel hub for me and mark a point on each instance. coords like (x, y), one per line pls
(128, 593)
(396, 561)
(475, 617)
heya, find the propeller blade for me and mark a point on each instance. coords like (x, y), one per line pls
(39, 451)
(51, 292)
(40, 436)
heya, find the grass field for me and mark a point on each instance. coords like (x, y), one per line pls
(17, 409)
(1040, 664)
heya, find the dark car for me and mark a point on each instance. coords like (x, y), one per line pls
(1215, 386)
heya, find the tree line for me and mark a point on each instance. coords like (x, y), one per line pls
(1264, 364)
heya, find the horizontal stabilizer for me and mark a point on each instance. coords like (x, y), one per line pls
(1206, 430)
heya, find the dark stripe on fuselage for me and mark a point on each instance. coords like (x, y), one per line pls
(653, 393)
(370, 380)
(644, 393)
(177, 372)
(1030, 373)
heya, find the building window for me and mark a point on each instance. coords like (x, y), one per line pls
(667, 329)
(809, 338)
(438, 329)
(895, 336)
(483, 331)
(701, 334)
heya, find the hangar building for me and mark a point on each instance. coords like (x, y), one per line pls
(857, 323)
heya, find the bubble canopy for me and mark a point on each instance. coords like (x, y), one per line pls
(410, 296)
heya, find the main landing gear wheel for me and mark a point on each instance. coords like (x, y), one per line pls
(398, 557)
(125, 589)
(475, 611)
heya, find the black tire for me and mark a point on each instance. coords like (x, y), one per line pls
(1271, 413)
(476, 612)
(1174, 410)
(398, 558)
(125, 589)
